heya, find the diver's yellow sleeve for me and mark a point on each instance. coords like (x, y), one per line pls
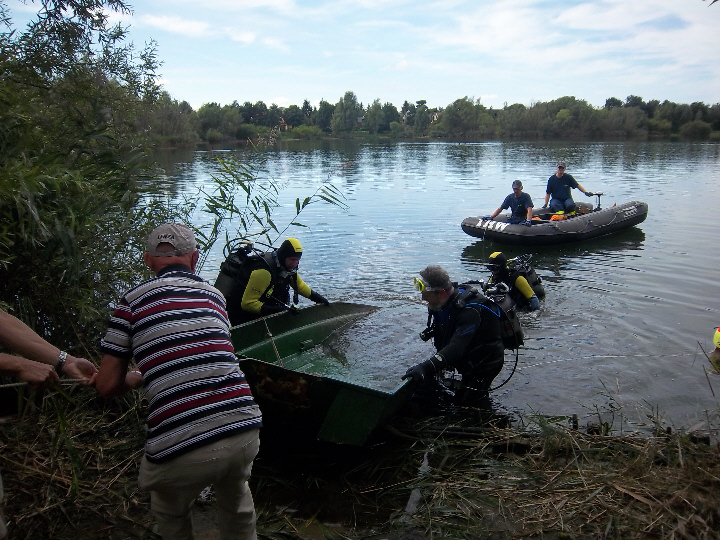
(523, 286)
(257, 285)
(303, 288)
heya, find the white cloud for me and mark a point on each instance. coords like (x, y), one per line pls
(176, 25)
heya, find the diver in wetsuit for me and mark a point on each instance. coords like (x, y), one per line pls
(262, 286)
(520, 290)
(466, 328)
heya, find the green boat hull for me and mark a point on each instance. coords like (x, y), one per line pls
(304, 392)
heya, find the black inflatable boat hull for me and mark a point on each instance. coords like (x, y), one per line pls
(545, 232)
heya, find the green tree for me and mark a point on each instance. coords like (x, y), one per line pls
(613, 102)
(308, 112)
(346, 114)
(422, 119)
(210, 118)
(294, 116)
(72, 98)
(697, 130)
(323, 116)
(389, 114)
(407, 113)
(171, 121)
(373, 117)
(460, 117)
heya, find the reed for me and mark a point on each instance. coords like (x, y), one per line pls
(69, 462)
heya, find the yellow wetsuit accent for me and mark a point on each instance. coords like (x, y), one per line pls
(259, 285)
(522, 285)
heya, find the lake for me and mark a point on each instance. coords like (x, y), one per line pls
(620, 331)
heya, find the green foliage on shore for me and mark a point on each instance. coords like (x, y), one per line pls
(565, 118)
(72, 99)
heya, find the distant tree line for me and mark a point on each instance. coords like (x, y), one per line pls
(565, 118)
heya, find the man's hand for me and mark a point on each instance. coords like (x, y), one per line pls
(589, 194)
(416, 373)
(37, 374)
(544, 205)
(424, 370)
(527, 223)
(318, 298)
(134, 379)
(534, 303)
(80, 369)
(487, 218)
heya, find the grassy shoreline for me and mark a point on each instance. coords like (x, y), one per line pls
(69, 463)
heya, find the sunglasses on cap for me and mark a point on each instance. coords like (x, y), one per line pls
(421, 286)
(560, 167)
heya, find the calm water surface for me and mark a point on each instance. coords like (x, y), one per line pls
(625, 316)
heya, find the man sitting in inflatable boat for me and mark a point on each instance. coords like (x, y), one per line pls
(521, 291)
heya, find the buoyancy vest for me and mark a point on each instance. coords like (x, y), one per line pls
(503, 312)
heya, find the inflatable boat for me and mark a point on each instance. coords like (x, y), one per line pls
(549, 228)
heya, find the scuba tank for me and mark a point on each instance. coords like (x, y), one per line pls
(233, 277)
(511, 329)
(521, 265)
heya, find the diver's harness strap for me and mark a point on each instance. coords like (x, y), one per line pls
(460, 302)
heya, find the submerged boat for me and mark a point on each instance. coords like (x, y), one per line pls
(587, 223)
(304, 391)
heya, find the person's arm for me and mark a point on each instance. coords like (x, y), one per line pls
(37, 374)
(21, 339)
(303, 288)
(113, 378)
(258, 283)
(586, 192)
(522, 285)
(529, 205)
(496, 212)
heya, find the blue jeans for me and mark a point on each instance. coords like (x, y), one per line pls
(566, 205)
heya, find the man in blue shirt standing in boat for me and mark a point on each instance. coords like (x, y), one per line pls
(520, 205)
(558, 187)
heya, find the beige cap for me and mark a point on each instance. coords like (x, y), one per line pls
(178, 235)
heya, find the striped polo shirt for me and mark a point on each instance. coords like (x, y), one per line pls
(176, 327)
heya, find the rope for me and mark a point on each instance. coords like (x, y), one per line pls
(272, 340)
(65, 382)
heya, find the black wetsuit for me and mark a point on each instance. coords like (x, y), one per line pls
(467, 336)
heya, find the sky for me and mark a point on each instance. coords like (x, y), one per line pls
(496, 51)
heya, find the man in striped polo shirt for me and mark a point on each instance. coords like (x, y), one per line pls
(203, 423)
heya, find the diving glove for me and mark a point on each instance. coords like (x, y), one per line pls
(526, 223)
(318, 298)
(424, 370)
(534, 303)
(589, 194)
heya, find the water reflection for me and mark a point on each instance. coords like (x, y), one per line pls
(623, 313)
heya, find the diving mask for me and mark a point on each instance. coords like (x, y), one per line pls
(421, 286)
